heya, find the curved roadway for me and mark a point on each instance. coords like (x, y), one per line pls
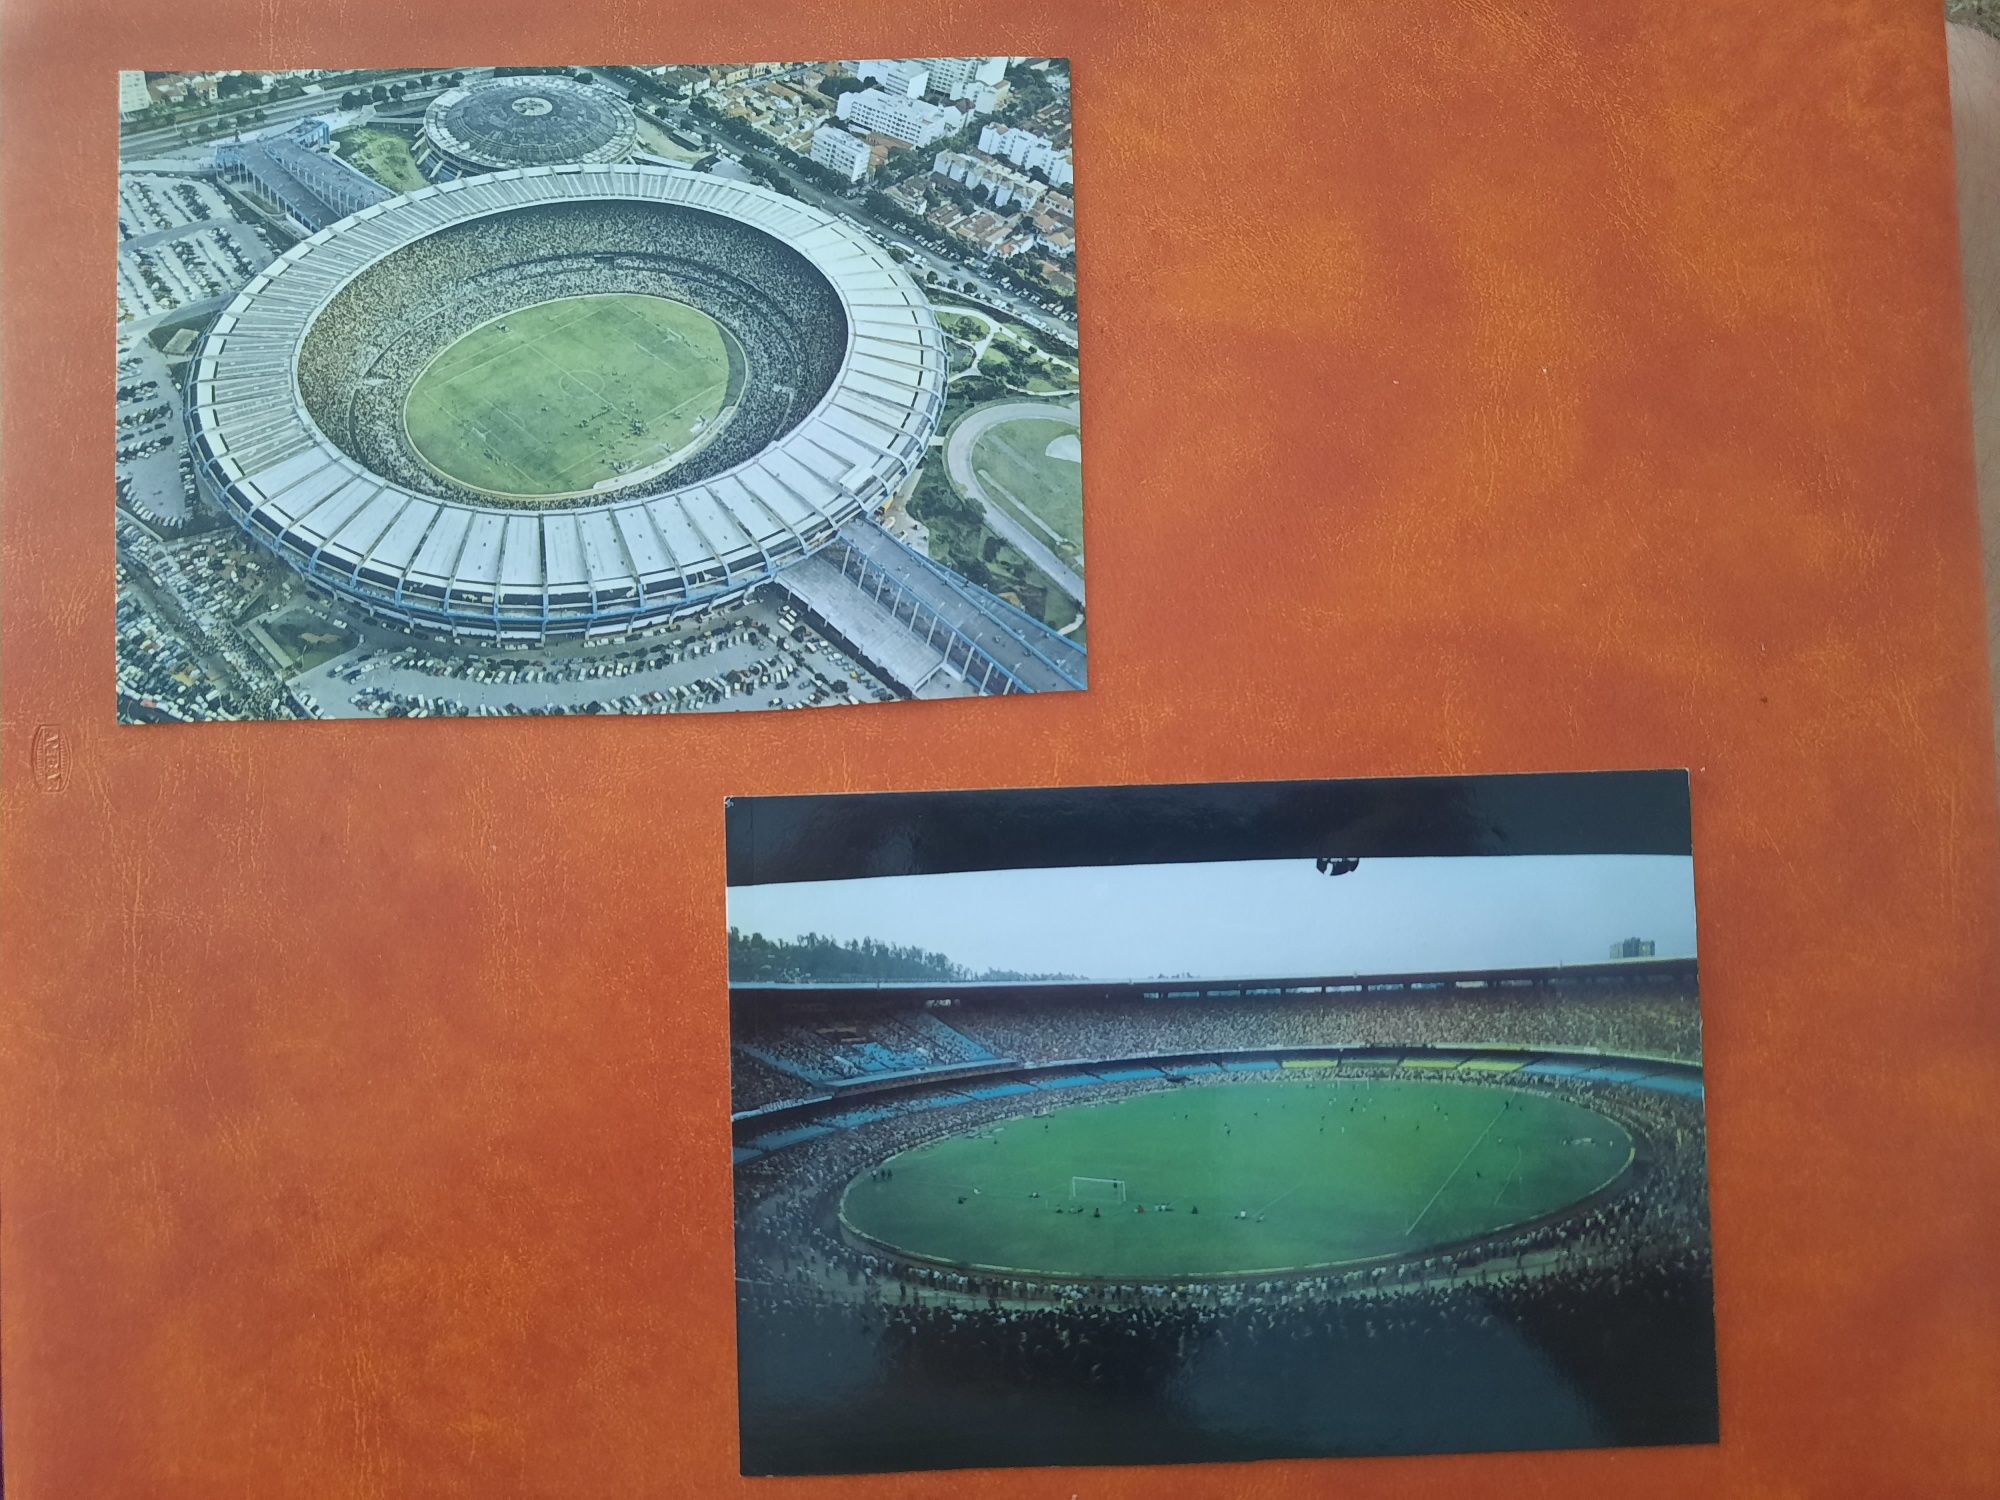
(958, 464)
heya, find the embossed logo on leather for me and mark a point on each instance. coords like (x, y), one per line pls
(51, 756)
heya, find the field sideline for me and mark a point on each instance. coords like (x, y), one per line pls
(555, 398)
(1257, 1176)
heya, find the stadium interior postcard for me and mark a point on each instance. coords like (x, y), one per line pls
(495, 391)
(1162, 1124)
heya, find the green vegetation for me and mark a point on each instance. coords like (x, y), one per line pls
(556, 397)
(961, 326)
(960, 539)
(756, 958)
(306, 644)
(384, 155)
(1022, 465)
(1326, 1172)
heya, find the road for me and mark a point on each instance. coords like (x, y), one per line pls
(165, 139)
(807, 192)
(958, 463)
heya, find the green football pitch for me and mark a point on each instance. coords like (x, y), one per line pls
(1255, 1176)
(554, 398)
(1014, 462)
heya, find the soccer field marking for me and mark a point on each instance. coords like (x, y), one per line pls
(491, 443)
(659, 446)
(512, 342)
(571, 393)
(1477, 1141)
(1260, 1212)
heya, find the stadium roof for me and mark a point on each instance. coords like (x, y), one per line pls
(538, 120)
(1658, 970)
(325, 510)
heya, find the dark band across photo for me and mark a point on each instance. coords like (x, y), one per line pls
(1217, 1122)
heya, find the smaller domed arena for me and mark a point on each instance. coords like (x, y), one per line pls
(530, 120)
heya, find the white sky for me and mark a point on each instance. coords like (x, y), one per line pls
(1257, 917)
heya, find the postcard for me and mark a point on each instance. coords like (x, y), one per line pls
(499, 391)
(1161, 1124)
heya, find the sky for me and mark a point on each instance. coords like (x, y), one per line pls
(1267, 918)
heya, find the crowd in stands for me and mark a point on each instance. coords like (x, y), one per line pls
(1614, 1017)
(1652, 1021)
(889, 1043)
(376, 336)
(1615, 1295)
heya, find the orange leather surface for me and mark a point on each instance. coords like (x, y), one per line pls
(1470, 387)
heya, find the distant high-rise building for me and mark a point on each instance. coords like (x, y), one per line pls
(909, 120)
(904, 77)
(835, 149)
(132, 93)
(1633, 948)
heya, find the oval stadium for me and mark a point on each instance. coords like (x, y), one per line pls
(1308, 1215)
(536, 120)
(563, 402)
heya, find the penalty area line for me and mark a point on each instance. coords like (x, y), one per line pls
(1425, 1210)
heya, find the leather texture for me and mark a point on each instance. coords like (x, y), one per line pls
(1470, 387)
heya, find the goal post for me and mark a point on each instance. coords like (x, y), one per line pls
(1098, 1189)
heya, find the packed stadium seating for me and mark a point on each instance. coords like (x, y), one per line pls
(1614, 1297)
(891, 1043)
(1610, 1017)
(368, 346)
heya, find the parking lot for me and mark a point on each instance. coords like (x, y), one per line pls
(179, 243)
(758, 653)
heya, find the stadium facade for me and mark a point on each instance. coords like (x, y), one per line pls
(295, 400)
(536, 120)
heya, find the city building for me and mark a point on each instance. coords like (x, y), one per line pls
(132, 93)
(999, 182)
(836, 150)
(1028, 151)
(964, 77)
(1633, 948)
(903, 77)
(909, 120)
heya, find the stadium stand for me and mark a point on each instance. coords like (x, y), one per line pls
(295, 400)
(830, 1053)
(379, 333)
(1611, 1018)
(1614, 1298)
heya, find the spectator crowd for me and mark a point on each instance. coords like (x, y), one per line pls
(1613, 1017)
(1605, 1313)
(367, 347)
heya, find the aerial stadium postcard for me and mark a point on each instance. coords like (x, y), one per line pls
(1167, 1124)
(497, 391)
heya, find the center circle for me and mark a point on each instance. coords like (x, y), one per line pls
(562, 396)
(1238, 1179)
(533, 104)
